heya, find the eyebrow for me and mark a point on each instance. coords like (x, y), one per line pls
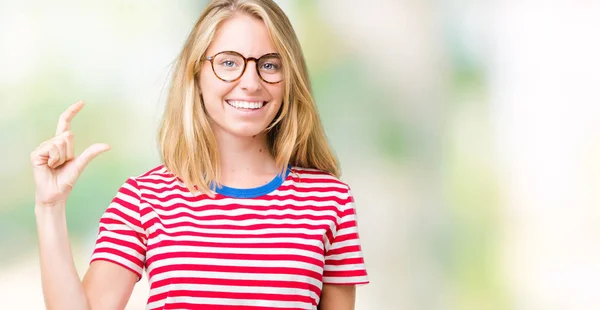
(231, 50)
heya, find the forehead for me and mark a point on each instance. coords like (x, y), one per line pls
(244, 34)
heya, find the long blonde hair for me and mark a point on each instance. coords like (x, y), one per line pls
(296, 137)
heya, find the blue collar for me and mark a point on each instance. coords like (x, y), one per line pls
(256, 191)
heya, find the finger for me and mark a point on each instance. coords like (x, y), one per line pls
(53, 155)
(90, 153)
(41, 155)
(64, 121)
(60, 145)
(68, 138)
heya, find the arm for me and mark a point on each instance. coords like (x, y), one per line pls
(337, 297)
(55, 171)
(105, 286)
(60, 282)
(344, 264)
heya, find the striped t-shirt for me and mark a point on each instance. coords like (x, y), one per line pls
(270, 247)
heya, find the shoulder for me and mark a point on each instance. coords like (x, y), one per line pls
(319, 179)
(158, 173)
(155, 178)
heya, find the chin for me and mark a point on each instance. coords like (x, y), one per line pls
(247, 132)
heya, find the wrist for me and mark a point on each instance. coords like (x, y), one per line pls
(42, 209)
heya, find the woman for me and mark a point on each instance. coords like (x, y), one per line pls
(246, 210)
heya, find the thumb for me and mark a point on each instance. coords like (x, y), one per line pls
(90, 153)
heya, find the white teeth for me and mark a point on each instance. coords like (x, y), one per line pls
(245, 104)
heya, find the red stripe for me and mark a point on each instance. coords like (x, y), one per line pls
(266, 198)
(235, 256)
(124, 204)
(318, 189)
(229, 282)
(316, 180)
(344, 274)
(347, 224)
(159, 168)
(183, 305)
(188, 224)
(121, 254)
(123, 243)
(351, 236)
(122, 218)
(345, 261)
(316, 236)
(231, 207)
(230, 295)
(253, 245)
(244, 217)
(166, 181)
(284, 187)
(139, 275)
(353, 249)
(238, 269)
(302, 170)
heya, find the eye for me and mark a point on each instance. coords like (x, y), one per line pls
(270, 66)
(228, 63)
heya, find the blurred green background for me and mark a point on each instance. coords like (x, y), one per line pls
(468, 131)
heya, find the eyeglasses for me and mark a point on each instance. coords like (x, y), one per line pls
(229, 66)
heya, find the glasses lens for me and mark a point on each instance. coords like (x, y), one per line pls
(270, 68)
(228, 66)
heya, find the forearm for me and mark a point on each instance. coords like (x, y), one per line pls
(337, 297)
(60, 282)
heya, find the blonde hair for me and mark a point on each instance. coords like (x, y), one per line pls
(296, 137)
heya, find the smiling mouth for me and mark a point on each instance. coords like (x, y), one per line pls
(246, 105)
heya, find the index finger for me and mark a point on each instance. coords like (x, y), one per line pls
(64, 121)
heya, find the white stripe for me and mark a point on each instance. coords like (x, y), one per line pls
(236, 263)
(130, 187)
(124, 225)
(158, 176)
(248, 202)
(348, 217)
(111, 234)
(301, 241)
(350, 267)
(129, 199)
(346, 231)
(120, 248)
(318, 185)
(237, 276)
(244, 211)
(233, 289)
(204, 249)
(346, 255)
(344, 280)
(242, 223)
(345, 243)
(119, 259)
(191, 229)
(168, 183)
(307, 175)
(321, 194)
(232, 302)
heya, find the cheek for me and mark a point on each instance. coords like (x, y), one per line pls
(211, 88)
(276, 92)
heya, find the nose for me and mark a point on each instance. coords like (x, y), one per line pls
(250, 80)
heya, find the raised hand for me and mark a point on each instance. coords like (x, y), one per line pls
(55, 167)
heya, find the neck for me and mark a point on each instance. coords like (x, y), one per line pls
(245, 161)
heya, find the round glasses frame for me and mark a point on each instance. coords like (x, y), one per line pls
(246, 60)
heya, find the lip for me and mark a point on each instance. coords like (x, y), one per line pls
(247, 111)
(247, 99)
